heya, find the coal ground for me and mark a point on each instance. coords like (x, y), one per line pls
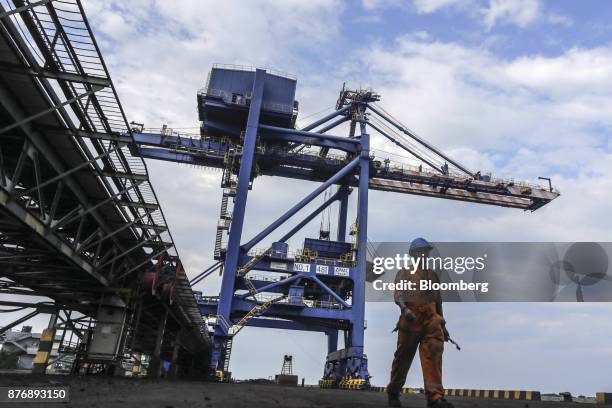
(93, 391)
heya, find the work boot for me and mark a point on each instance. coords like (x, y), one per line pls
(439, 403)
(394, 400)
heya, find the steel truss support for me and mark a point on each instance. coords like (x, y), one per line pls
(155, 366)
(198, 278)
(340, 195)
(49, 74)
(30, 118)
(314, 135)
(76, 84)
(326, 118)
(17, 322)
(24, 8)
(78, 215)
(346, 170)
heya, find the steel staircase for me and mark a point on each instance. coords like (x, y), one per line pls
(255, 311)
(227, 353)
(253, 261)
(228, 183)
(233, 330)
(218, 244)
(243, 270)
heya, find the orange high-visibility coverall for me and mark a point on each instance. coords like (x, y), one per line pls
(425, 333)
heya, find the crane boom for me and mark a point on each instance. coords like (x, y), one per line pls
(385, 176)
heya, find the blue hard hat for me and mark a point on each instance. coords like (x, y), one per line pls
(419, 243)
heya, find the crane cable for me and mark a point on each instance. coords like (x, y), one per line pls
(438, 152)
(325, 228)
(408, 145)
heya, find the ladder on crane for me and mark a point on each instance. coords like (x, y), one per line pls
(228, 183)
(227, 353)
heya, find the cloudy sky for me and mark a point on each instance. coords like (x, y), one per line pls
(521, 88)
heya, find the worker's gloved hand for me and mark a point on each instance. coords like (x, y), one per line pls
(445, 332)
(408, 315)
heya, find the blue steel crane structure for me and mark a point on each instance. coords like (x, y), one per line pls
(248, 129)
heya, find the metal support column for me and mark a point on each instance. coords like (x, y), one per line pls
(173, 373)
(348, 367)
(332, 341)
(357, 333)
(235, 235)
(18, 321)
(156, 364)
(342, 213)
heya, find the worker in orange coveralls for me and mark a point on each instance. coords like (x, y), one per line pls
(421, 325)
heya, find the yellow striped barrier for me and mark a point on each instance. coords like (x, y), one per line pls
(45, 346)
(470, 393)
(495, 394)
(519, 395)
(346, 383)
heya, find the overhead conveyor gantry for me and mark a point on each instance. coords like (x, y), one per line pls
(79, 219)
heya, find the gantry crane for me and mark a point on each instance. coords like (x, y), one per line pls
(248, 129)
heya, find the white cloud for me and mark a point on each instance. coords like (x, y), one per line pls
(431, 6)
(524, 97)
(368, 19)
(554, 18)
(522, 118)
(164, 51)
(374, 4)
(573, 75)
(519, 12)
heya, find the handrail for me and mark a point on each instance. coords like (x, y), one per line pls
(250, 68)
